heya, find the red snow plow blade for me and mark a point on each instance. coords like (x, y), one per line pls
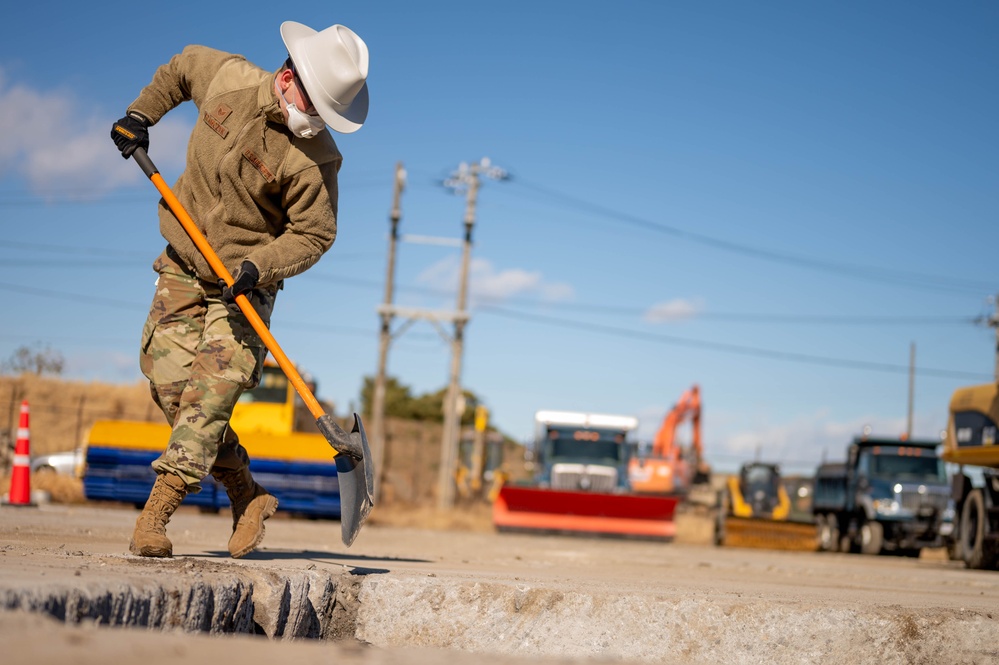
(558, 511)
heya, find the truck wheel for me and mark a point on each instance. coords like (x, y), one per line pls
(872, 537)
(977, 554)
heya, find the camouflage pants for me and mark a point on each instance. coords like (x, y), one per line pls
(199, 356)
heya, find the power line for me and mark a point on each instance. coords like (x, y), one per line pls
(576, 325)
(747, 317)
(76, 250)
(72, 297)
(729, 348)
(888, 275)
(342, 280)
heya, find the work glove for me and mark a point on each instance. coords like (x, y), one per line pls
(130, 133)
(244, 281)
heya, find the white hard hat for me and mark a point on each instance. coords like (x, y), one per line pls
(333, 67)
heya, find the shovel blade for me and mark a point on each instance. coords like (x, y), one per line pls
(355, 473)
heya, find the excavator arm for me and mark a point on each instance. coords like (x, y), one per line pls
(665, 470)
(688, 407)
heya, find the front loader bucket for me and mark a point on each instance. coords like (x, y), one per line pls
(768, 534)
(355, 472)
(521, 508)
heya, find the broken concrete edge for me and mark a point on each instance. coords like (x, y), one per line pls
(517, 619)
(233, 599)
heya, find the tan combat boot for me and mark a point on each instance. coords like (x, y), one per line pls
(149, 538)
(251, 505)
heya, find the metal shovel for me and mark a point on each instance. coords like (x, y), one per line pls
(353, 460)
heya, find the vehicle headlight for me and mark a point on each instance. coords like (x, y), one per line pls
(886, 506)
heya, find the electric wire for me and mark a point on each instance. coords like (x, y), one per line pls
(886, 275)
(872, 273)
(739, 349)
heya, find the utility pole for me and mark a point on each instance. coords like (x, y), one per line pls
(467, 177)
(385, 334)
(994, 322)
(912, 385)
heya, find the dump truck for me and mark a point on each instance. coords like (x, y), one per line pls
(288, 454)
(889, 496)
(755, 510)
(971, 441)
(581, 482)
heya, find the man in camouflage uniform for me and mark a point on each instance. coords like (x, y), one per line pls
(261, 183)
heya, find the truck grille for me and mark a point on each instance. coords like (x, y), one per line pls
(911, 499)
(585, 477)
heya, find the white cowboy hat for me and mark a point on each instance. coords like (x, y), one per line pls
(333, 67)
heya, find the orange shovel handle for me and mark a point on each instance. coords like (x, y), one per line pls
(147, 166)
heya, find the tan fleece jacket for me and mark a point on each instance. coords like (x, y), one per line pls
(254, 189)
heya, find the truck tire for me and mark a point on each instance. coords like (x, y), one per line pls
(978, 554)
(872, 537)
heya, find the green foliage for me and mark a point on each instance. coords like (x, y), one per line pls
(34, 359)
(400, 402)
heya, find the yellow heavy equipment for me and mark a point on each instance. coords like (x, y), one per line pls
(755, 511)
(972, 441)
(288, 455)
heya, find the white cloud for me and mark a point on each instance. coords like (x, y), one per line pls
(677, 309)
(61, 147)
(487, 283)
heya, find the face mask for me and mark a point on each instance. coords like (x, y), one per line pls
(301, 124)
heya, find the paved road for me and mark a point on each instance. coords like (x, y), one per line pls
(487, 597)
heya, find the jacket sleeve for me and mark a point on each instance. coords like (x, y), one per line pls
(310, 202)
(186, 77)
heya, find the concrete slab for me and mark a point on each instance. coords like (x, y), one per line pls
(399, 595)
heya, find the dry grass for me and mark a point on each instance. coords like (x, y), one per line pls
(61, 489)
(61, 412)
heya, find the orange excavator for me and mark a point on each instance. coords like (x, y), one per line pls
(668, 468)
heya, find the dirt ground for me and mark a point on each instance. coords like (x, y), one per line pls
(484, 597)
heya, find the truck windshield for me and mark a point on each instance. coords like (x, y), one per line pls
(273, 388)
(760, 478)
(908, 467)
(592, 444)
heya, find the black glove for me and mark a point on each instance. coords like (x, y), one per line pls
(244, 281)
(130, 133)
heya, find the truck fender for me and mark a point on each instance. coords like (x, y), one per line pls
(867, 503)
(960, 485)
(991, 489)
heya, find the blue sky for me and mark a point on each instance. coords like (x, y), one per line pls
(772, 200)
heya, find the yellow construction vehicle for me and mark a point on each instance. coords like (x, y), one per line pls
(288, 454)
(971, 440)
(755, 511)
(480, 473)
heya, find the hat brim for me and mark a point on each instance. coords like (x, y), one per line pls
(343, 120)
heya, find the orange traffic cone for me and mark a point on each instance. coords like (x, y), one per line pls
(20, 481)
